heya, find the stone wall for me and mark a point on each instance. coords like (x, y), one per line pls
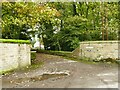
(13, 56)
(97, 50)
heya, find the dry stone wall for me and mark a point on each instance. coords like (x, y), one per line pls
(98, 50)
(13, 56)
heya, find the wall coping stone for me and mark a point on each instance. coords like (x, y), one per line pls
(97, 42)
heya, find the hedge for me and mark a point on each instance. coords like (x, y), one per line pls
(14, 41)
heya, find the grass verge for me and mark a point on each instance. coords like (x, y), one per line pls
(58, 53)
(27, 68)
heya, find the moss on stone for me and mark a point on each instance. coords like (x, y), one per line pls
(14, 41)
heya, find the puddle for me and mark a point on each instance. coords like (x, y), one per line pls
(44, 76)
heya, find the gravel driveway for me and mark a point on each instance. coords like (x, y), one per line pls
(58, 72)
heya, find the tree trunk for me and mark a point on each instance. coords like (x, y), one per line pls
(106, 23)
(102, 16)
(74, 9)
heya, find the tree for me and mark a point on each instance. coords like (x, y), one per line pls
(17, 17)
(60, 25)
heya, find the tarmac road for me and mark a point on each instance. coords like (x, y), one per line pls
(58, 72)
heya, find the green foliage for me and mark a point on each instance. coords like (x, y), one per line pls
(17, 17)
(83, 24)
(14, 41)
(62, 25)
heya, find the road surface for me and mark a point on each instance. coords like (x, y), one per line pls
(58, 72)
